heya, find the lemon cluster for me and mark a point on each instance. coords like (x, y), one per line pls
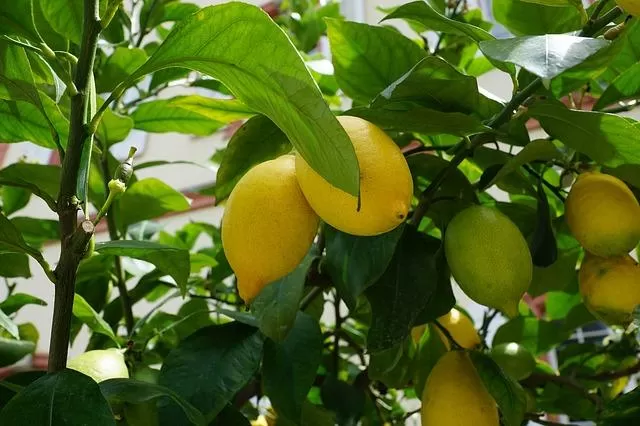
(273, 213)
(604, 216)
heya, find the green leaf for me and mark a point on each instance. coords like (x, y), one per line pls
(9, 325)
(256, 141)
(403, 290)
(393, 366)
(64, 398)
(425, 15)
(192, 114)
(65, 17)
(546, 56)
(522, 18)
(36, 231)
(16, 301)
(276, 306)
(18, 20)
(14, 265)
(122, 62)
(539, 149)
(609, 139)
(358, 49)
(622, 411)
(273, 81)
(23, 121)
(148, 199)
(346, 400)
(507, 393)
(229, 416)
(625, 86)
(13, 199)
(87, 315)
(11, 241)
(435, 84)
(42, 180)
(169, 260)
(113, 127)
(209, 367)
(12, 351)
(355, 263)
(543, 247)
(289, 368)
(538, 336)
(560, 275)
(138, 392)
(409, 116)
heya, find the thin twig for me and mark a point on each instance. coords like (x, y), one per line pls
(336, 335)
(310, 297)
(454, 344)
(612, 375)
(554, 189)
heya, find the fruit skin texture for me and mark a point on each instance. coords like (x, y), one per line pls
(610, 287)
(630, 6)
(386, 186)
(514, 359)
(489, 258)
(459, 326)
(268, 226)
(603, 215)
(101, 365)
(455, 395)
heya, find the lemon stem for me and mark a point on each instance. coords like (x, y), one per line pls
(454, 344)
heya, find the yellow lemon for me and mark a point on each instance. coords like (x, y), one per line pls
(268, 226)
(489, 258)
(458, 325)
(610, 287)
(455, 395)
(385, 184)
(101, 364)
(630, 6)
(603, 215)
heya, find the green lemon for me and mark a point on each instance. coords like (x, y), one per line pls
(514, 359)
(489, 258)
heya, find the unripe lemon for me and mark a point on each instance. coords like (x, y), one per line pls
(385, 184)
(603, 215)
(101, 364)
(610, 287)
(458, 325)
(514, 359)
(489, 258)
(268, 226)
(455, 395)
(630, 6)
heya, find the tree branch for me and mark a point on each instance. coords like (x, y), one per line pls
(612, 375)
(540, 379)
(74, 242)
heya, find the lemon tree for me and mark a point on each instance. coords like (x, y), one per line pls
(393, 243)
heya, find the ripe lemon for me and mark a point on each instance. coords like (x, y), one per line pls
(610, 287)
(489, 258)
(101, 364)
(514, 359)
(630, 6)
(268, 226)
(458, 325)
(603, 215)
(455, 395)
(385, 184)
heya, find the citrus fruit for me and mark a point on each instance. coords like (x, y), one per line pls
(455, 395)
(268, 226)
(514, 359)
(101, 364)
(603, 215)
(458, 325)
(630, 6)
(610, 287)
(489, 258)
(385, 184)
